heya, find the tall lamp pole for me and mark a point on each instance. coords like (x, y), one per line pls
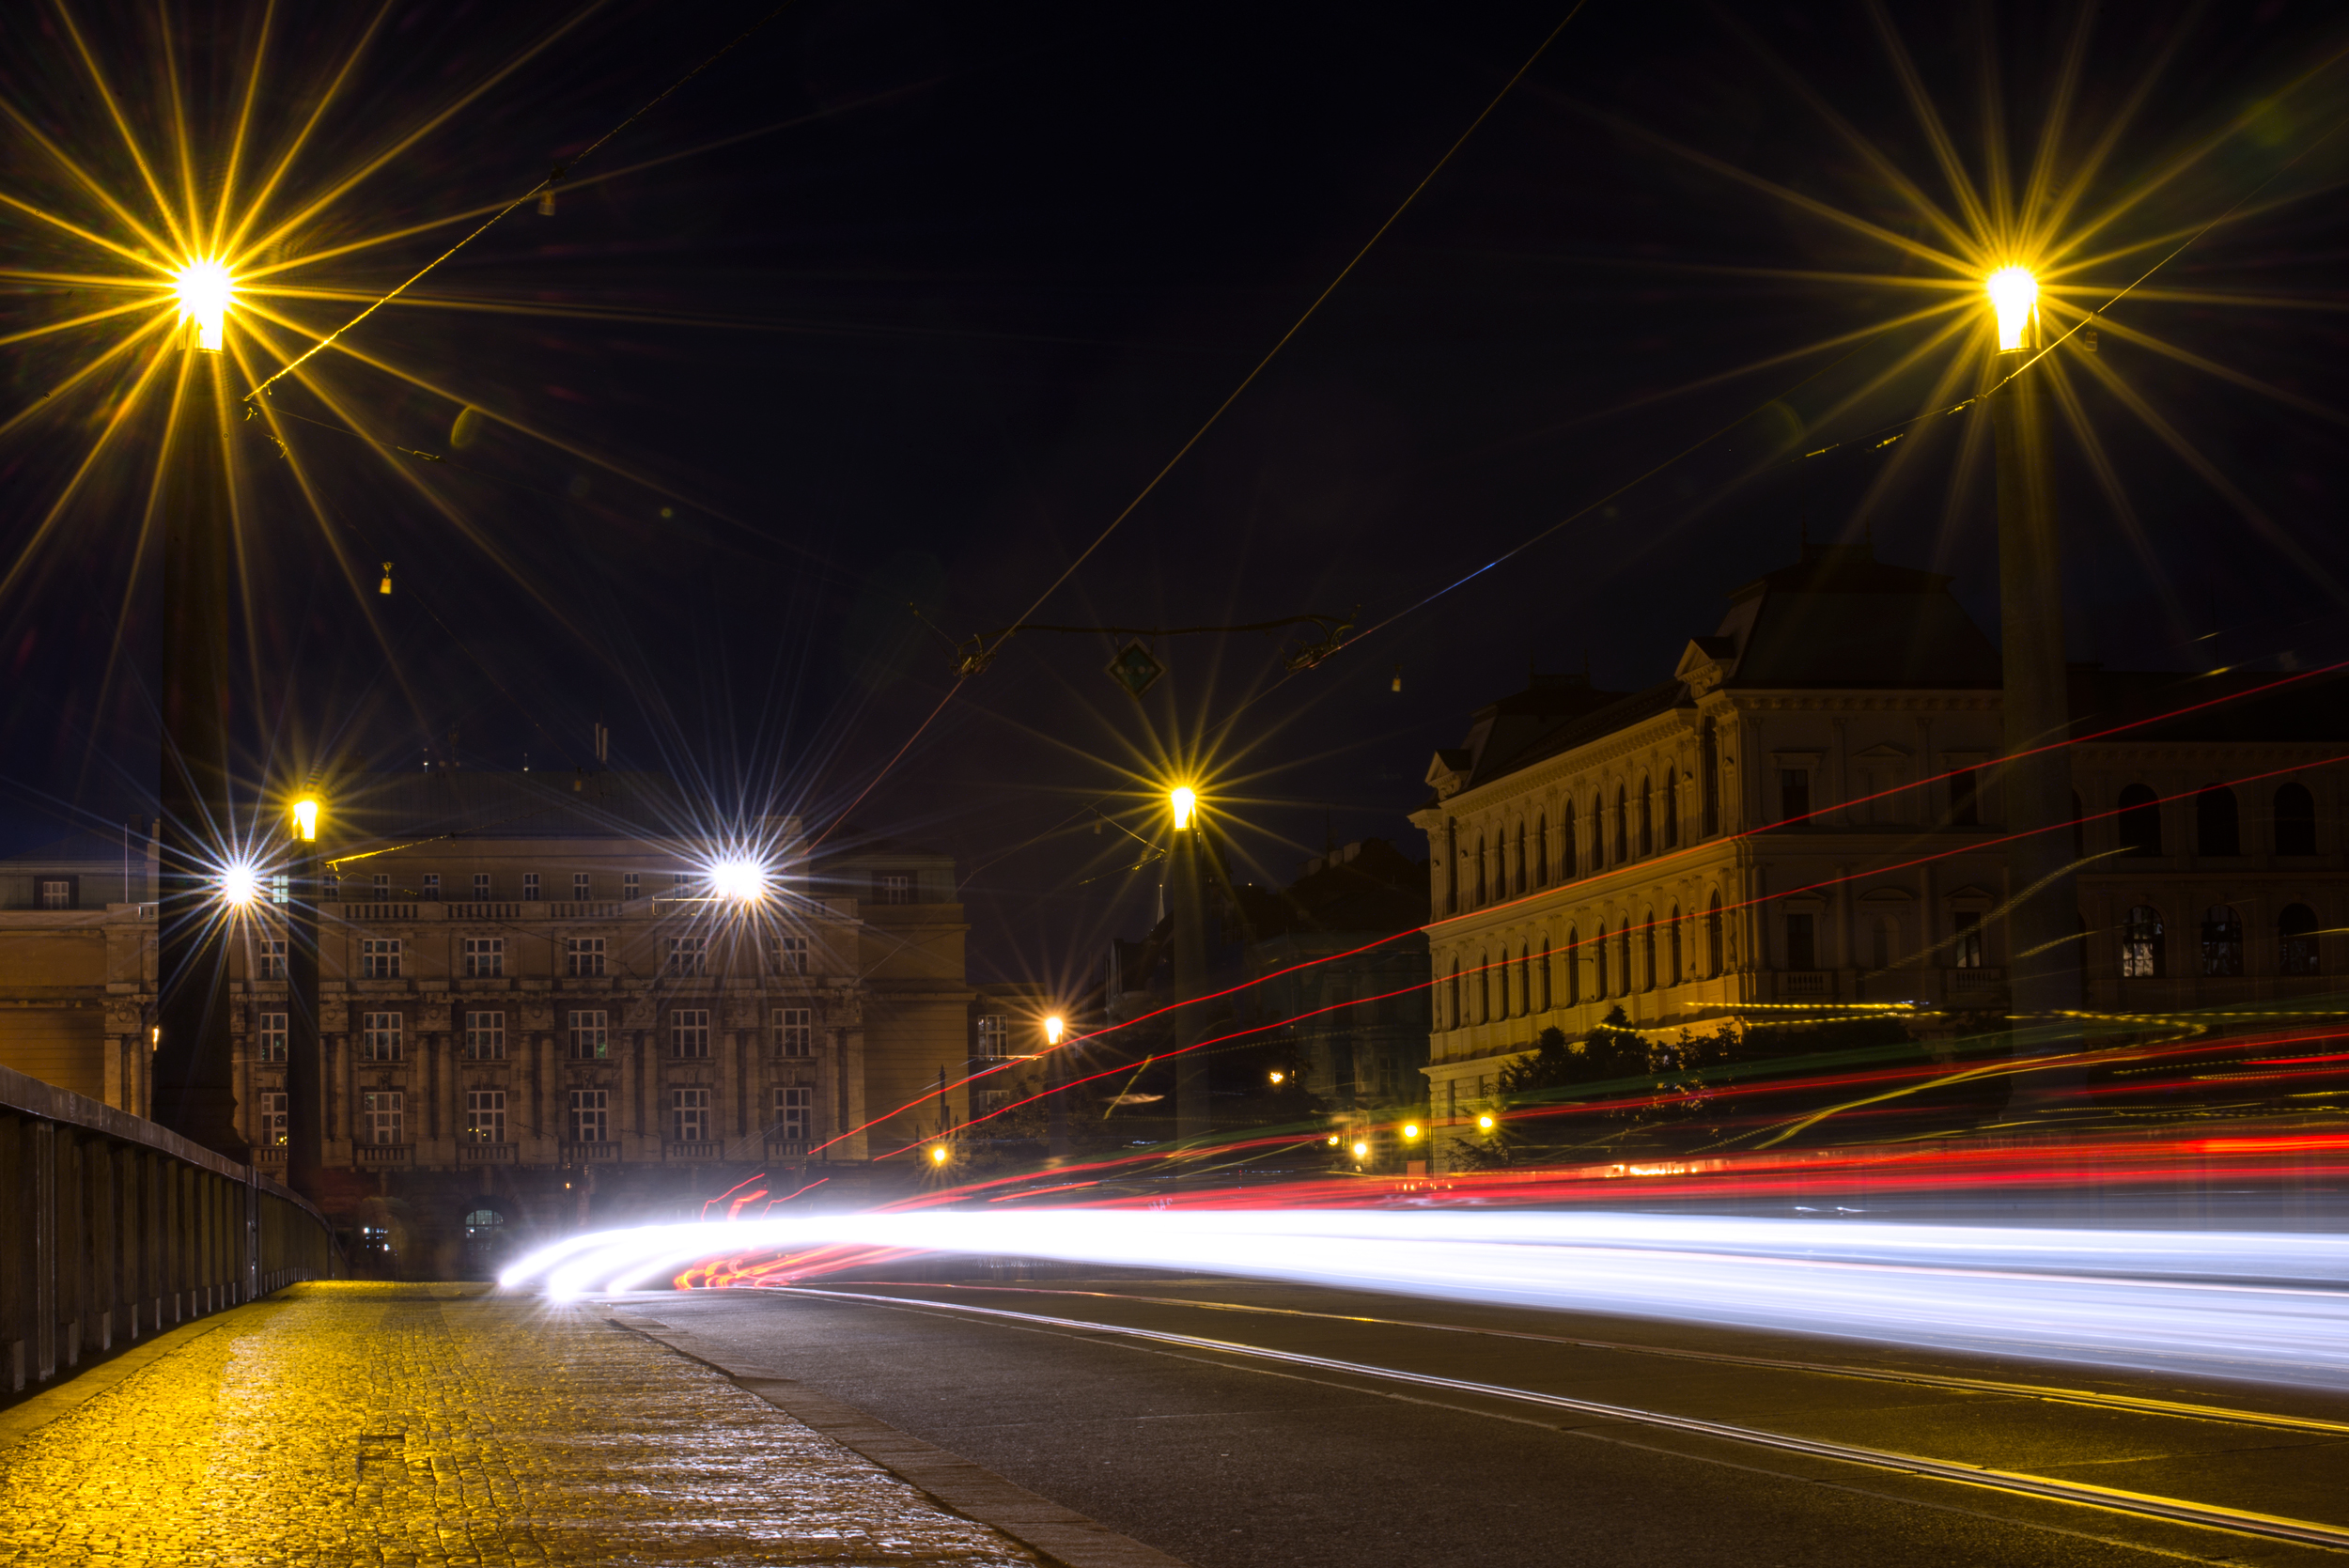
(194, 1089)
(1193, 1115)
(306, 1075)
(2043, 972)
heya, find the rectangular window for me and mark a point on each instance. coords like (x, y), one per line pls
(688, 1115)
(591, 1117)
(680, 884)
(583, 956)
(330, 889)
(530, 887)
(1802, 949)
(590, 1035)
(1969, 943)
(481, 887)
(994, 1035)
(383, 1039)
(689, 954)
(485, 1115)
(795, 1032)
(689, 1032)
(790, 954)
(273, 958)
(271, 1120)
(378, 959)
(383, 886)
(1964, 798)
(579, 887)
(1794, 794)
(485, 1036)
(433, 886)
(56, 893)
(280, 888)
(795, 1114)
(485, 957)
(893, 887)
(381, 1117)
(269, 1041)
(631, 885)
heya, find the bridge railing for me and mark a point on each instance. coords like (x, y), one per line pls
(113, 1229)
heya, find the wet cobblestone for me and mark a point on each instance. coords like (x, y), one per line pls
(353, 1424)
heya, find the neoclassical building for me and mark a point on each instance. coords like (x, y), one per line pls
(1805, 812)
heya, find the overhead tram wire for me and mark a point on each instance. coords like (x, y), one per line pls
(1661, 860)
(987, 654)
(544, 187)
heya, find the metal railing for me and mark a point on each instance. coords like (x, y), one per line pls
(113, 1228)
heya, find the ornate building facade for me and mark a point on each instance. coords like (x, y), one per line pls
(1806, 812)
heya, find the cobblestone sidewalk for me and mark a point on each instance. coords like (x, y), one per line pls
(352, 1423)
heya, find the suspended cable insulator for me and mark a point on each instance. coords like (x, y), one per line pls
(386, 585)
(1398, 679)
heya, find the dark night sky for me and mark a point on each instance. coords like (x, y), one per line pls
(978, 274)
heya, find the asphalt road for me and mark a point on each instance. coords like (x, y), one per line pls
(1231, 1460)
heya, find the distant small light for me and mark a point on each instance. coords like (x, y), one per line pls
(1361, 1151)
(1279, 1077)
(1410, 1129)
(240, 884)
(937, 1153)
(1485, 1123)
(1334, 1141)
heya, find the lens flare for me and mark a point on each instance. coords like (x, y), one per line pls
(240, 883)
(1185, 803)
(741, 879)
(205, 291)
(305, 813)
(2015, 295)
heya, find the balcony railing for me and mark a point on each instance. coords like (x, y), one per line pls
(589, 1154)
(785, 1148)
(1976, 980)
(708, 1149)
(379, 911)
(484, 911)
(1805, 984)
(486, 1153)
(383, 1153)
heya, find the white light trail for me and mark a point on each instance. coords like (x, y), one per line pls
(2257, 1306)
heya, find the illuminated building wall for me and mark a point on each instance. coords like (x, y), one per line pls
(1777, 765)
(77, 965)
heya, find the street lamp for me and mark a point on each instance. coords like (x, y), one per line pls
(740, 879)
(305, 1069)
(937, 1153)
(240, 884)
(1052, 1029)
(2043, 973)
(1192, 1111)
(205, 291)
(1486, 1123)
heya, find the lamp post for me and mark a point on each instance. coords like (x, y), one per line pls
(1193, 1116)
(194, 1089)
(306, 1066)
(1055, 1079)
(2043, 972)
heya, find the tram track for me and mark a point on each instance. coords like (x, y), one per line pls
(1472, 1394)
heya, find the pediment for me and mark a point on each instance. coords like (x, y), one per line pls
(1887, 895)
(1971, 890)
(1447, 774)
(1884, 750)
(1705, 662)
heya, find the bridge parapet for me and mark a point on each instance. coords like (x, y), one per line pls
(113, 1228)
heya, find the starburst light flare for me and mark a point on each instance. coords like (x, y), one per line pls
(205, 291)
(2015, 296)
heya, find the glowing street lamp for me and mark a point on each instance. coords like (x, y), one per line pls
(739, 878)
(1185, 800)
(1193, 1111)
(240, 884)
(1486, 1123)
(1410, 1132)
(205, 291)
(2014, 297)
(305, 815)
(1052, 1031)
(1361, 1150)
(937, 1153)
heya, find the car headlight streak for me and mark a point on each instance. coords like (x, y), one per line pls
(2208, 1302)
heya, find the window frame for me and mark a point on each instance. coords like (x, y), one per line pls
(485, 1034)
(380, 958)
(795, 1024)
(688, 1107)
(382, 1036)
(484, 957)
(485, 1116)
(577, 950)
(596, 1035)
(689, 1034)
(595, 1106)
(272, 1033)
(382, 1112)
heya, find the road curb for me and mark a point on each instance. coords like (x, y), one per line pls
(1062, 1535)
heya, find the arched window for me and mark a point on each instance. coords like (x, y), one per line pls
(1574, 968)
(1671, 971)
(2217, 826)
(1647, 953)
(1647, 820)
(2296, 941)
(1545, 959)
(1672, 809)
(1523, 883)
(1598, 964)
(1484, 989)
(1483, 885)
(1456, 1019)
(1452, 878)
(1541, 850)
(1598, 833)
(1709, 777)
(1622, 960)
(1525, 980)
(2142, 955)
(2140, 821)
(2222, 940)
(2296, 821)
(1623, 826)
(1713, 938)
(1566, 843)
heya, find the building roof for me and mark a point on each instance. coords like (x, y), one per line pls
(1840, 617)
